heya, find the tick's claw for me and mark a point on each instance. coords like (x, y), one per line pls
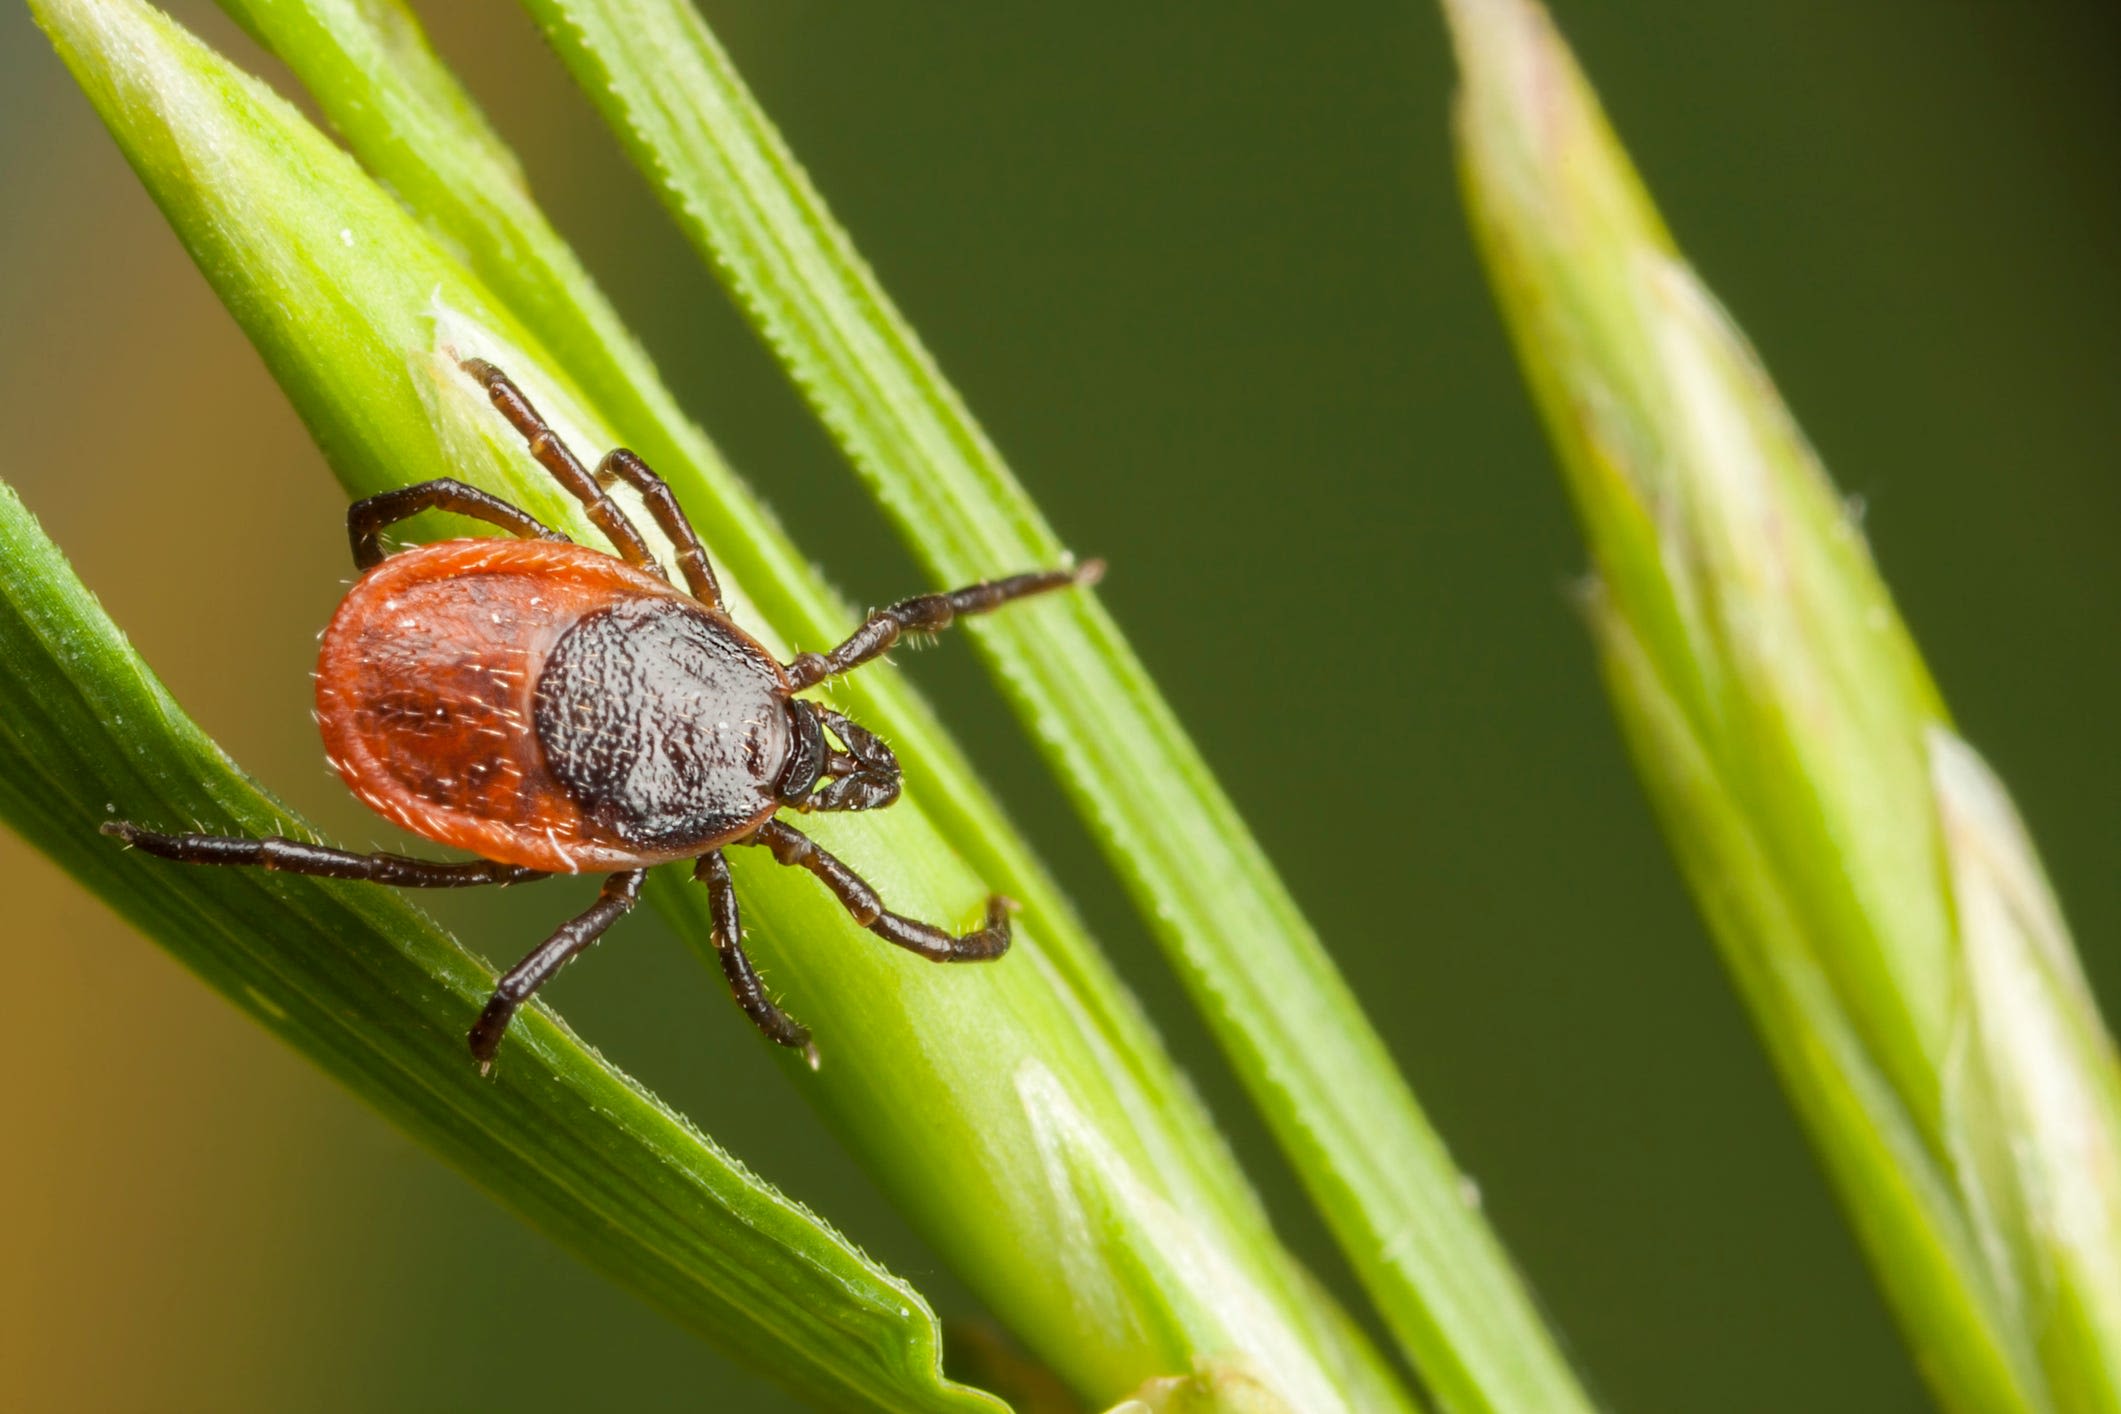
(486, 1033)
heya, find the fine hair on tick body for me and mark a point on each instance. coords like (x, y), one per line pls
(554, 709)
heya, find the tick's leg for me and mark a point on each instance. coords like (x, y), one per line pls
(366, 520)
(931, 613)
(295, 857)
(713, 871)
(622, 465)
(552, 454)
(574, 936)
(792, 846)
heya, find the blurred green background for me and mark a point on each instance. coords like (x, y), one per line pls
(1205, 277)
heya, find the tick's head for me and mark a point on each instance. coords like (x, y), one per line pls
(859, 773)
(808, 754)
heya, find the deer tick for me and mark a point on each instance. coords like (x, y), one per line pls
(554, 709)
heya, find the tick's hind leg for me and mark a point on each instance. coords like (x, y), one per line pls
(522, 981)
(792, 846)
(366, 520)
(288, 856)
(931, 613)
(552, 454)
(750, 992)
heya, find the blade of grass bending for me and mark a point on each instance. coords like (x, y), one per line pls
(1864, 874)
(1295, 1033)
(377, 995)
(988, 1100)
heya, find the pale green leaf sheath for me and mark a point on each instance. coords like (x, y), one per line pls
(1864, 873)
(1004, 1107)
(378, 996)
(1299, 1041)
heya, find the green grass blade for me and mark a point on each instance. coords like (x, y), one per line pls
(1001, 1105)
(1865, 875)
(1295, 1033)
(374, 993)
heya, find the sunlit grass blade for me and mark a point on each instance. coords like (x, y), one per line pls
(1870, 885)
(1000, 1105)
(1295, 1033)
(378, 996)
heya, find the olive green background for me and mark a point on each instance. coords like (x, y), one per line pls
(1203, 272)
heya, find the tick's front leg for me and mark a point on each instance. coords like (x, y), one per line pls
(932, 613)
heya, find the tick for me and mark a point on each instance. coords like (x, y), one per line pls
(554, 709)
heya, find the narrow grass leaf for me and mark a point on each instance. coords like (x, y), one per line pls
(1863, 871)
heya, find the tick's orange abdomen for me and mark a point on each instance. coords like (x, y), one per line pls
(427, 687)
